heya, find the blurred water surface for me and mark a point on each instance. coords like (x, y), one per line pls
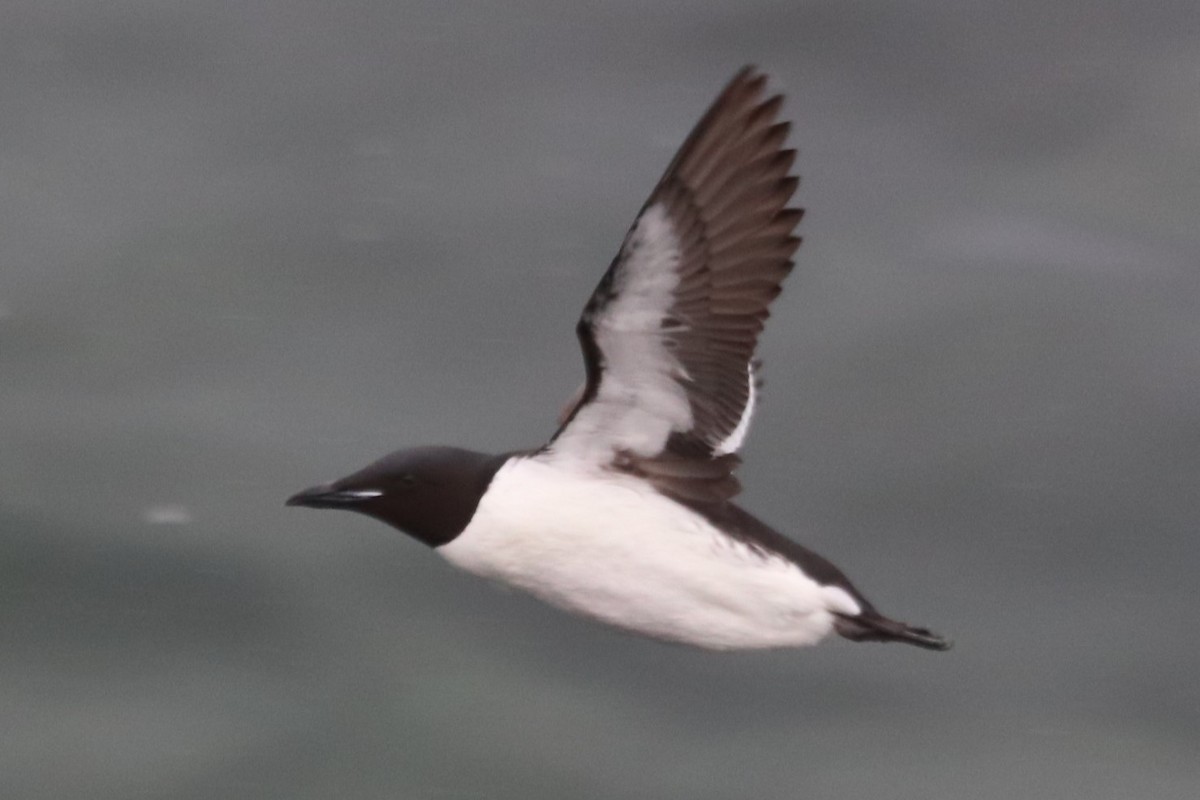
(247, 246)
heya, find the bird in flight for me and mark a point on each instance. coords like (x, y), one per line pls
(627, 514)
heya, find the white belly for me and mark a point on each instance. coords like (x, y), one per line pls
(617, 551)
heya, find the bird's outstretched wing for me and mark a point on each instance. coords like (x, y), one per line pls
(669, 334)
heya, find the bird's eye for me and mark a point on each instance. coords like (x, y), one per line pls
(407, 481)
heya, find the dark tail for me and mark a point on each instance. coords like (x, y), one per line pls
(873, 627)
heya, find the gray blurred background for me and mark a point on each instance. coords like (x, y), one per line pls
(247, 246)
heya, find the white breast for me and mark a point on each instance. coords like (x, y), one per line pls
(607, 546)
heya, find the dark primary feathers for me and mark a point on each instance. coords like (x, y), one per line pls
(669, 334)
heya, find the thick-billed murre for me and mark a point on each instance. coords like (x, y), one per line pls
(626, 515)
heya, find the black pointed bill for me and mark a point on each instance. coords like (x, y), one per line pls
(327, 496)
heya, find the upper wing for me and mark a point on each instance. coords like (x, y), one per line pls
(668, 336)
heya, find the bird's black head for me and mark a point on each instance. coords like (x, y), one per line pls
(430, 493)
